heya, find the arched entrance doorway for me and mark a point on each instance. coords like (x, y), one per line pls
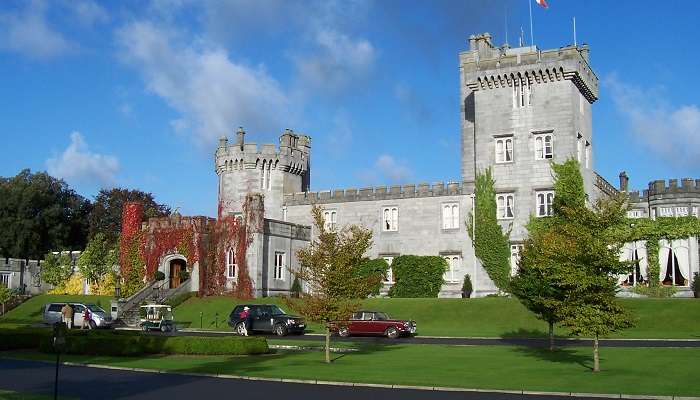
(175, 267)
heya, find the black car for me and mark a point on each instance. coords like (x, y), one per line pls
(266, 318)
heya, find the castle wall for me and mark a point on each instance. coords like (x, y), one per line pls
(420, 224)
(284, 239)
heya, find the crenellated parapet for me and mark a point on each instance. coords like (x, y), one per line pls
(515, 65)
(662, 187)
(378, 193)
(291, 156)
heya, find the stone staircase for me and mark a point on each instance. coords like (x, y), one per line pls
(153, 293)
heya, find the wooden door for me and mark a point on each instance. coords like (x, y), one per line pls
(175, 269)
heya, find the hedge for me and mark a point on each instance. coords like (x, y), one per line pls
(368, 267)
(417, 276)
(119, 344)
(22, 338)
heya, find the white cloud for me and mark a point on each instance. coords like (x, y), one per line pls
(28, 32)
(338, 61)
(386, 170)
(88, 12)
(213, 93)
(670, 131)
(78, 163)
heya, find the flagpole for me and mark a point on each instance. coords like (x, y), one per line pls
(575, 44)
(532, 34)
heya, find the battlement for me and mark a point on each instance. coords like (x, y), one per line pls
(662, 187)
(292, 155)
(176, 221)
(637, 197)
(604, 186)
(486, 66)
(378, 193)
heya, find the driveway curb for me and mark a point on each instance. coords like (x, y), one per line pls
(384, 386)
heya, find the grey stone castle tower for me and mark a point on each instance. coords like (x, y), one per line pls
(244, 168)
(521, 109)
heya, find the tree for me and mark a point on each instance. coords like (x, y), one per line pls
(328, 267)
(5, 296)
(570, 266)
(39, 213)
(106, 215)
(375, 269)
(98, 259)
(491, 243)
(56, 269)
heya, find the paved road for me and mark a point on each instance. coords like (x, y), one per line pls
(96, 383)
(533, 342)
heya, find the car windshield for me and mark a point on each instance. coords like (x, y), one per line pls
(276, 310)
(95, 308)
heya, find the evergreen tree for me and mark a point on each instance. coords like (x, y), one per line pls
(106, 215)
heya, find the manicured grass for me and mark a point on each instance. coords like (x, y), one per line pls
(652, 371)
(31, 311)
(486, 317)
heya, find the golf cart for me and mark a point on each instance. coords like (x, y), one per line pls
(157, 317)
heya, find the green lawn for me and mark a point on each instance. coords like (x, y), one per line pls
(31, 311)
(651, 371)
(487, 317)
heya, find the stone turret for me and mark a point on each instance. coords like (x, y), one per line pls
(272, 171)
(624, 181)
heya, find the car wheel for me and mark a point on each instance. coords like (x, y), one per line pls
(240, 328)
(164, 328)
(280, 330)
(392, 333)
(144, 328)
(343, 331)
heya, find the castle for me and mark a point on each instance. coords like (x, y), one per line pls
(521, 109)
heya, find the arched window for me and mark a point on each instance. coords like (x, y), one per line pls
(231, 268)
(262, 175)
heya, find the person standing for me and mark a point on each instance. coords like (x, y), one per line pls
(245, 316)
(67, 314)
(86, 319)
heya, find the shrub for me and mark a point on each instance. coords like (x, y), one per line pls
(295, 290)
(73, 286)
(417, 276)
(377, 267)
(695, 286)
(23, 338)
(159, 275)
(658, 291)
(134, 344)
(183, 275)
(467, 285)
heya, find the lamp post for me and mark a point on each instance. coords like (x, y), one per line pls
(473, 196)
(117, 288)
(636, 260)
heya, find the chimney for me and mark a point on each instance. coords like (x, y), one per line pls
(223, 141)
(624, 181)
(240, 134)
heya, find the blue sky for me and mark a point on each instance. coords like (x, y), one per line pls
(136, 93)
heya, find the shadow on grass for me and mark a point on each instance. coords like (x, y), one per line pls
(525, 334)
(558, 355)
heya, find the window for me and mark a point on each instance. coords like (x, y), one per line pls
(521, 92)
(389, 277)
(665, 211)
(579, 148)
(681, 211)
(580, 104)
(505, 206)
(587, 155)
(543, 146)
(504, 150)
(453, 263)
(279, 265)
(544, 203)
(635, 214)
(515, 250)
(330, 220)
(450, 216)
(696, 212)
(390, 219)
(5, 280)
(231, 264)
(262, 175)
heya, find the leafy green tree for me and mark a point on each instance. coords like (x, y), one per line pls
(98, 259)
(5, 296)
(570, 266)
(328, 267)
(56, 269)
(39, 213)
(491, 243)
(106, 215)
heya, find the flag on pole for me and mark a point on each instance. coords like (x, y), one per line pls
(542, 3)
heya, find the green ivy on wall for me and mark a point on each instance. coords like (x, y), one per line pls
(491, 243)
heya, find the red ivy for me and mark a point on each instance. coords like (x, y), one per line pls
(178, 238)
(132, 215)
